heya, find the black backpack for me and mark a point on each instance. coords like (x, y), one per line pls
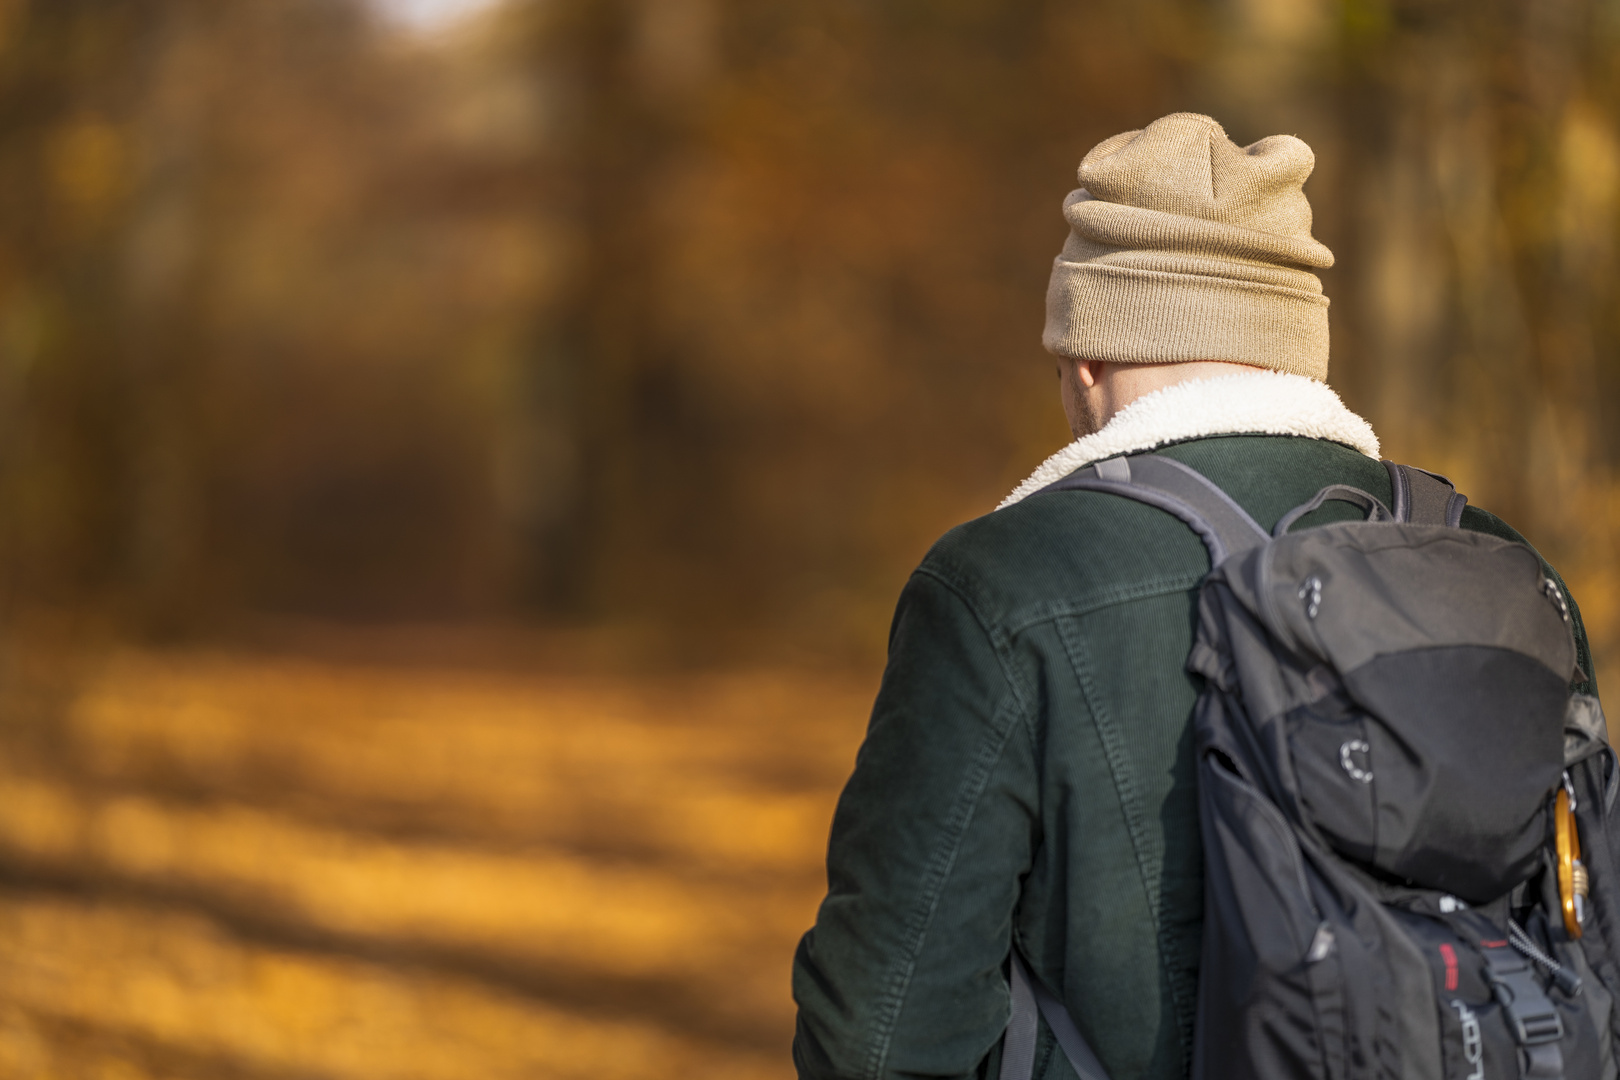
(1410, 852)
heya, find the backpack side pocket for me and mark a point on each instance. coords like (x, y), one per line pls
(1271, 997)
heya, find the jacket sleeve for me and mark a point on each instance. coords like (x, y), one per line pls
(903, 973)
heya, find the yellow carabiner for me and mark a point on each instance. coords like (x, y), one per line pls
(1572, 883)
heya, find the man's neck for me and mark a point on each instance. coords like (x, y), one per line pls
(1251, 401)
(1114, 386)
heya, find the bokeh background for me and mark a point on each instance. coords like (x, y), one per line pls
(457, 459)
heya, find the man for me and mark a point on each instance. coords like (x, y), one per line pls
(1027, 780)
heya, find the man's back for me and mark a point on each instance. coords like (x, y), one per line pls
(1029, 772)
(1028, 777)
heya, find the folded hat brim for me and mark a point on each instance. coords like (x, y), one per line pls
(1130, 315)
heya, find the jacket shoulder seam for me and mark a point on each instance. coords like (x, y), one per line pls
(1024, 616)
(1000, 639)
(1049, 610)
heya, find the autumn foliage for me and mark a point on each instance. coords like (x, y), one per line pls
(653, 333)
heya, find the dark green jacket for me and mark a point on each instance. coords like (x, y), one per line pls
(1028, 775)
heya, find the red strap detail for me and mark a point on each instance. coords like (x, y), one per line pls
(1449, 955)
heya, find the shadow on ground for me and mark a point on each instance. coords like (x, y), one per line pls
(272, 864)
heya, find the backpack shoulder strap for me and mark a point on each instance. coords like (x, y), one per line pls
(1018, 1048)
(1424, 498)
(1226, 528)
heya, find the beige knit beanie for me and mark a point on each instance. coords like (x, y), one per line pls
(1184, 246)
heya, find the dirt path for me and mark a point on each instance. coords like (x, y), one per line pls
(217, 865)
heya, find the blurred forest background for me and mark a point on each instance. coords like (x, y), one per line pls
(710, 314)
(457, 460)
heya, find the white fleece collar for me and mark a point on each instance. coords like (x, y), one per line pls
(1253, 403)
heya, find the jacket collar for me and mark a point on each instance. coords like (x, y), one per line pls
(1254, 403)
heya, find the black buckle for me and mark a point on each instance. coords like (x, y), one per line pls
(1534, 1018)
(1544, 1062)
(1532, 1030)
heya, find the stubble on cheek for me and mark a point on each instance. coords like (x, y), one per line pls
(1081, 405)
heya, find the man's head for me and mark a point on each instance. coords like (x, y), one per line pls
(1188, 256)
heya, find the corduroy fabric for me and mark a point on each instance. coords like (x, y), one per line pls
(1184, 246)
